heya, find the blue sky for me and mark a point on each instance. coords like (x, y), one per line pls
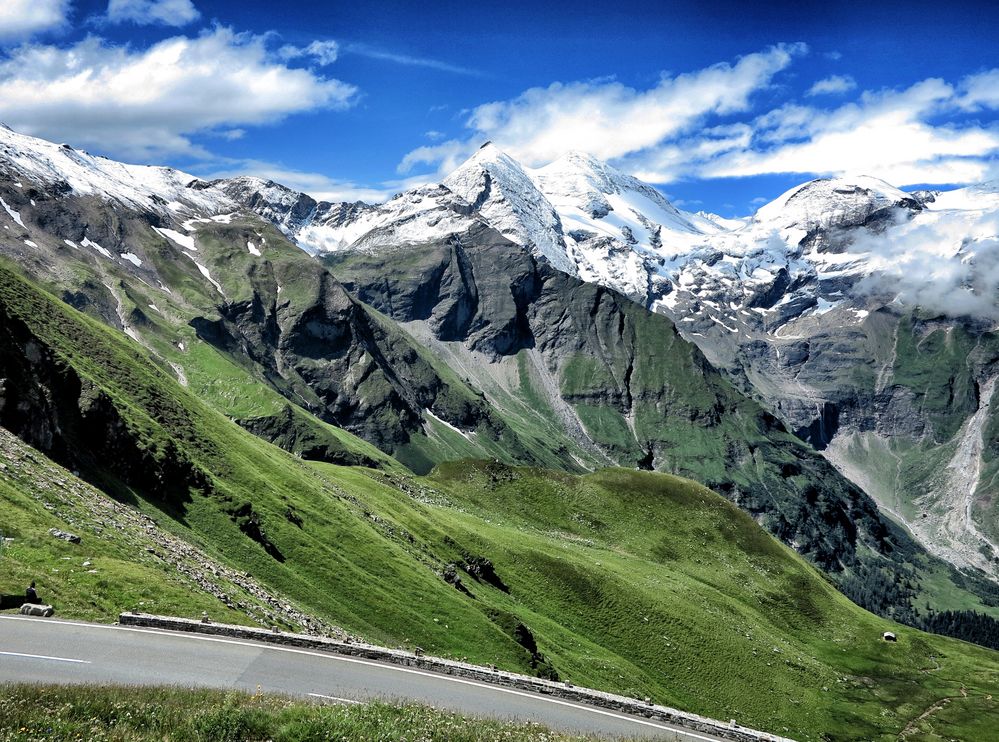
(721, 104)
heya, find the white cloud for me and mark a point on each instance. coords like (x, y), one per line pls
(152, 12)
(887, 134)
(981, 91)
(408, 60)
(608, 119)
(144, 104)
(949, 264)
(324, 52)
(22, 18)
(833, 85)
(698, 125)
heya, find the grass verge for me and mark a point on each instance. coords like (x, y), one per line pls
(105, 713)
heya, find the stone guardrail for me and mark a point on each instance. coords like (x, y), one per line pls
(565, 691)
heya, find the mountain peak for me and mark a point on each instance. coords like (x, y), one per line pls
(505, 193)
(488, 157)
(48, 165)
(840, 202)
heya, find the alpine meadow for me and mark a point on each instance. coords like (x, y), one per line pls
(498, 373)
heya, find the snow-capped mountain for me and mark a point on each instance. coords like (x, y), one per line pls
(506, 195)
(815, 304)
(861, 315)
(582, 216)
(63, 169)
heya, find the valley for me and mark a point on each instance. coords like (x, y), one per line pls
(440, 434)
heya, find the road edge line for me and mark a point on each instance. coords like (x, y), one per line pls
(440, 665)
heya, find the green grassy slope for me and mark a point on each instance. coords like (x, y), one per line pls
(634, 582)
(123, 558)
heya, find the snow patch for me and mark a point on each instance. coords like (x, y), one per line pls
(184, 240)
(15, 215)
(132, 258)
(207, 274)
(87, 242)
(466, 435)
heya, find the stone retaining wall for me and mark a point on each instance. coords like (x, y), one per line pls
(565, 691)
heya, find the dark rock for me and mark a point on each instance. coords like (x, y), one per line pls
(250, 523)
(71, 537)
(451, 577)
(482, 570)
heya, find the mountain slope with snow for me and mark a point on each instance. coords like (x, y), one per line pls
(801, 303)
(29, 160)
(468, 344)
(862, 315)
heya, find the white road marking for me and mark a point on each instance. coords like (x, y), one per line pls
(335, 698)
(369, 663)
(44, 657)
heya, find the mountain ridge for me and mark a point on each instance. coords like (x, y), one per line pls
(469, 345)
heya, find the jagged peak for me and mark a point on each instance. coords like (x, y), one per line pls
(487, 157)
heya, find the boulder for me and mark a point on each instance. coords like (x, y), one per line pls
(71, 537)
(36, 609)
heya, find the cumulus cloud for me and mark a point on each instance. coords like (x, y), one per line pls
(948, 265)
(980, 91)
(833, 85)
(323, 52)
(606, 118)
(703, 125)
(144, 104)
(889, 134)
(152, 12)
(23, 18)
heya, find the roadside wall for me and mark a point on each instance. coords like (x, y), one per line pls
(565, 691)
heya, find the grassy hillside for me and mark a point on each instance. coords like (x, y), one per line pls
(467, 351)
(640, 583)
(103, 714)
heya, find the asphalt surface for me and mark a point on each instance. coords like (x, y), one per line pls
(54, 651)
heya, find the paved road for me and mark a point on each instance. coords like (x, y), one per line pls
(48, 650)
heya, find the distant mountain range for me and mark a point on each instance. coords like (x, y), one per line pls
(861, 315)
(569, 317)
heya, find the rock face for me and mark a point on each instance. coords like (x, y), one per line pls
(333, 356)
(70, 418)
(439, 326)
(633, 387)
